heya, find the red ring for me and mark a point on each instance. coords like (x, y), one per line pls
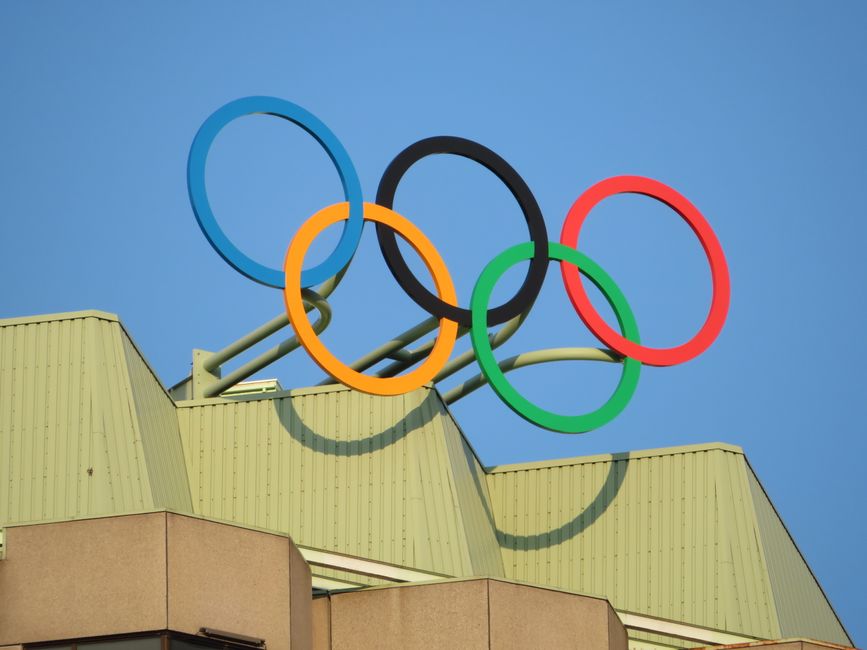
(718, 267)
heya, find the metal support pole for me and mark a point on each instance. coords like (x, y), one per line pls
(312, 299)
(408, 358)
(383, 351)
(217, 359)
(461, 361)
(497, 339)
(530, 359)
(247, 341)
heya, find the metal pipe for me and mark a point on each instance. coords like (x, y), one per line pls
(461, 361)
(401, 355)
(311, 299)
(247, 341)
(530, 359)
(408, 358)
(497, 339)
(262, 332)
(400, 341)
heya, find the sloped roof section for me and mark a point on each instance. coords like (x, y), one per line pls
(802, 608)
(388, 478)
(160, 436)
(85, 426)
(676, 533)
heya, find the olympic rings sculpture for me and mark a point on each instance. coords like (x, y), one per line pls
(296, 281)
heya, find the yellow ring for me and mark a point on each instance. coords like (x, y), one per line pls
(292, 266)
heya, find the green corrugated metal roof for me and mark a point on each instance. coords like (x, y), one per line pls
(802, 608)
(684, 533)
(160, 436)
(673, 533)
(85, 427)
(384, 478)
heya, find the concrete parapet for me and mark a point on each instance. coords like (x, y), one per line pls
(154, 571)
(484, 613)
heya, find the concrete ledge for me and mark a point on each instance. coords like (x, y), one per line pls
(155, 571)
(483, 614)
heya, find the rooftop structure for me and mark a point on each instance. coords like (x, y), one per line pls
(375, 491)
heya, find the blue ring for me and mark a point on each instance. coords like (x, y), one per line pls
(342, 254)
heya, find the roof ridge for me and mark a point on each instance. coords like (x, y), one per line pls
(624, 455)
(66, 315)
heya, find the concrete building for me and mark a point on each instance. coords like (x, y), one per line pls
(134, 517)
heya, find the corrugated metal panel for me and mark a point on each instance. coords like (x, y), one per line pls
(114, 423)
(746, 585)
(339, 470)
(46, 483)
(670, 535)
(85, 427)
(161, 439)
(473, 500)
(68, 438)
(802, 607)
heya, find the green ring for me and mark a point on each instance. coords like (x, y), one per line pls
(485, 355)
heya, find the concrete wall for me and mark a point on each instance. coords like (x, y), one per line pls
(83, 578)
(321, 618)
(135, 573)
(483, 614)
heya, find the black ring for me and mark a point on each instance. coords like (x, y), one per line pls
(529, 290)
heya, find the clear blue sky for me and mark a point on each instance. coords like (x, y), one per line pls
(755, 111)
